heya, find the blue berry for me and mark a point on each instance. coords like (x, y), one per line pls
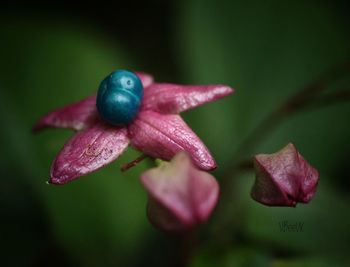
(119, 97)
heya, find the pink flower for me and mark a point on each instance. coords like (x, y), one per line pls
(157, 131)
(180, 195)
(284, 178)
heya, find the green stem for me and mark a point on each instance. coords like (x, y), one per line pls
(297, 102)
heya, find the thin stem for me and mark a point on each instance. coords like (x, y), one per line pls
(320, 102)
(333, 98)
(188, 242)
(133, 163)
(295, 103)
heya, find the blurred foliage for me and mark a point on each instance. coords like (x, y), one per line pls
(268, 50)
(265, 49)
(59, 65)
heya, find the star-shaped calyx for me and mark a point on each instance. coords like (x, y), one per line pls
(154, 127)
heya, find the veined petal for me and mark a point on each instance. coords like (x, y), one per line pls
(163, 136)
(173, 98)
(145, 78)
(180, 195)
(88, 151)
(75, 116)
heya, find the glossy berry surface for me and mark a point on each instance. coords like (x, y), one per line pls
(119, 97)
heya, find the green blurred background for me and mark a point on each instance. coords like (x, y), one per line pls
(55, 54)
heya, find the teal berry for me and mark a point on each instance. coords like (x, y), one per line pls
(119, 97)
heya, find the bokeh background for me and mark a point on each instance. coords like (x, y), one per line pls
(55, 54)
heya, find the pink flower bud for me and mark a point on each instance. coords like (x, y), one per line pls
(284, 178)
(180, 195)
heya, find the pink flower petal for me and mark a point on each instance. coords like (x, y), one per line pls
(88, 151)
(174, 98)
(145, 78)
(76, 116)
(181, 196)
(284, 178)
(163, 136)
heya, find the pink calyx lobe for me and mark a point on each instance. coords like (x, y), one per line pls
(173, 98)
(163, 136)
(87, 151)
